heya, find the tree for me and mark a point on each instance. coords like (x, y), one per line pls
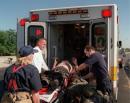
(8, 42)
(127, 50)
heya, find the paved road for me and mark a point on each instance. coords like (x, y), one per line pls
(124, 88)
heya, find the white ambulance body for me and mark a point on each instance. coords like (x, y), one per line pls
(69, 29)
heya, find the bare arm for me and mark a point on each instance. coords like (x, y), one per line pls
(81, 67)
(35, 97)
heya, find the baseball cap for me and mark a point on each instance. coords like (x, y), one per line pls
(26, 50)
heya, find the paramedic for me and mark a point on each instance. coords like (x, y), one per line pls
(22, 80)
(98, 69)
(38, 60)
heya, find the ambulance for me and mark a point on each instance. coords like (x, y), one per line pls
(69, 29)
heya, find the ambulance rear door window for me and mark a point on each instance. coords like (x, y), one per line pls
(34, 33)
(99, 36)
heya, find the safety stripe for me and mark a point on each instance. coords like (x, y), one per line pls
(114, 73)
(15, 69)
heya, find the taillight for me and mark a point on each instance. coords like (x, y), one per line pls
(22, 22)
(106, 13)
(34, 17)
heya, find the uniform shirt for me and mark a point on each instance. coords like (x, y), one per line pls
(99, 68)
(27, 78)
(38, 61)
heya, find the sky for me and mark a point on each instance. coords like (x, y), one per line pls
(10, 10)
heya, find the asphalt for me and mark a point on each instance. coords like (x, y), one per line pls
(124, 87)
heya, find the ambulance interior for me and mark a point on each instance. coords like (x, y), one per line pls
(68, 40)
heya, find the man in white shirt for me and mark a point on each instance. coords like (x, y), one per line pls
(38, 60)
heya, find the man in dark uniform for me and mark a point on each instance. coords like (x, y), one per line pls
(98, 69)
